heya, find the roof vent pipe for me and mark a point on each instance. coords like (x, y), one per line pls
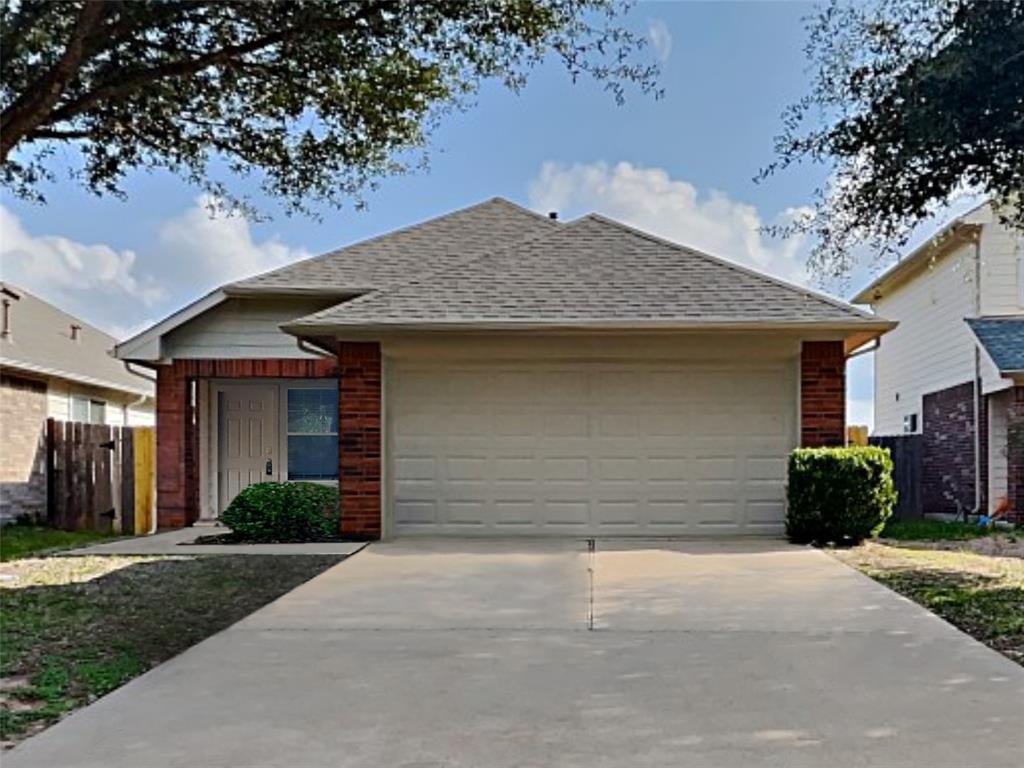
(5, 330)
(75, 331)
(553, 215)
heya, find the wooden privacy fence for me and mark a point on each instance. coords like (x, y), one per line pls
(906, 452)
(100, 477)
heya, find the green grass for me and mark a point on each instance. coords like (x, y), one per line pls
(76, 628)
(18, 541)
(982, 595)
(932, 530)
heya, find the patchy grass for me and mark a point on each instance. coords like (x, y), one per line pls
(932, 530)
(18, 541)
(982, 595)
(76, 628)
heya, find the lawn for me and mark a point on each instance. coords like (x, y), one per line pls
(982, 595)
(18, 541)
(76, 628)
(932, 530)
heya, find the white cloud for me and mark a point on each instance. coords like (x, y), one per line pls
(650, 199)
(123, 291)
(200, 250)
(66, 267)
(661, 38)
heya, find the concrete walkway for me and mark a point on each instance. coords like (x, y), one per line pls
(499, 654)
(179, 542)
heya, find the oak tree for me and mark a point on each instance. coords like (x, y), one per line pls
(315, 98)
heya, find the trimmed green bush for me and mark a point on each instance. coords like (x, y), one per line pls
(284, 512)
(838, 495)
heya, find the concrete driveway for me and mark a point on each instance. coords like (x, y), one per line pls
(479, 654)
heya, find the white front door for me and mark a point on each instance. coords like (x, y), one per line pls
(248, 438)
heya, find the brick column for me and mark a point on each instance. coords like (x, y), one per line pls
(1015, 451)
(172, 415)
(822, 394)
(359, 438)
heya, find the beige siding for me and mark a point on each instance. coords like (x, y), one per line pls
(58, 404)
(141, 416)
(241, 328)
(997, 444)
(932, 348)
(1001, 276)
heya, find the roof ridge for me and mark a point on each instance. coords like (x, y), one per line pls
(729, 264)
(391, 233)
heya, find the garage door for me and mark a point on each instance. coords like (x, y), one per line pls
(589, 449)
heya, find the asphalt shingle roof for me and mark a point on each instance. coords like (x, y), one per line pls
(40, 341)
(1003, 340)
(381, 261)
(590, 271)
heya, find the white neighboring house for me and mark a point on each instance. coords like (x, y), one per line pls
(53, 365)
(956, 360)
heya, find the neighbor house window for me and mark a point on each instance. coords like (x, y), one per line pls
(313, 434)
(87, 410)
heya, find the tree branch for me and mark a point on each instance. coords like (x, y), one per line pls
(128, 82)
(33, 107)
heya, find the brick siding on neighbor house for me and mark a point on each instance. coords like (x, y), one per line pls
(22, 447)
(177, 423)
(1015, 451)
(947, 463)
(359, 438)
(822, 394)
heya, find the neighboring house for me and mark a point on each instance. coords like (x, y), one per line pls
(494, 371)
(53, 365)
(959, 301)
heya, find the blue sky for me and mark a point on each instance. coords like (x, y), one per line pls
(682, 167)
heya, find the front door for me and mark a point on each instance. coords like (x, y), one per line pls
(247, 437)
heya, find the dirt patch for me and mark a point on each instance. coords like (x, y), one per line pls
(996, 545)
(981, 594)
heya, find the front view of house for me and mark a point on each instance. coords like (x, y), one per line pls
(496, 372)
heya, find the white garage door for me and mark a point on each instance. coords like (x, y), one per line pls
(589, 449)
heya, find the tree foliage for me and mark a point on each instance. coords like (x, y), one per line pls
(914, 102)
(316, 98)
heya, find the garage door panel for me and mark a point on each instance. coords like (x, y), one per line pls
(585, 449)
(566, 512)
(566, 424)
(767, 512)
(411, 511)
(670, 513)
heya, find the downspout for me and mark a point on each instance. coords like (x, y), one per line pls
(977, 380)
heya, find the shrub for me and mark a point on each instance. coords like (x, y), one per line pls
(284, 512)
(840, 495)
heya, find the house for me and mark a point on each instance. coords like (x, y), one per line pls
(952, 370)
(495, 371)
(54, 365)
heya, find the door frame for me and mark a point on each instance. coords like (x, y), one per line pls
(209, 443)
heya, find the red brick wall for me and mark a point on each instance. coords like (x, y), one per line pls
(1015, 451)
(177, 424)
(359, 438)
(822, 394)
(947, 462)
